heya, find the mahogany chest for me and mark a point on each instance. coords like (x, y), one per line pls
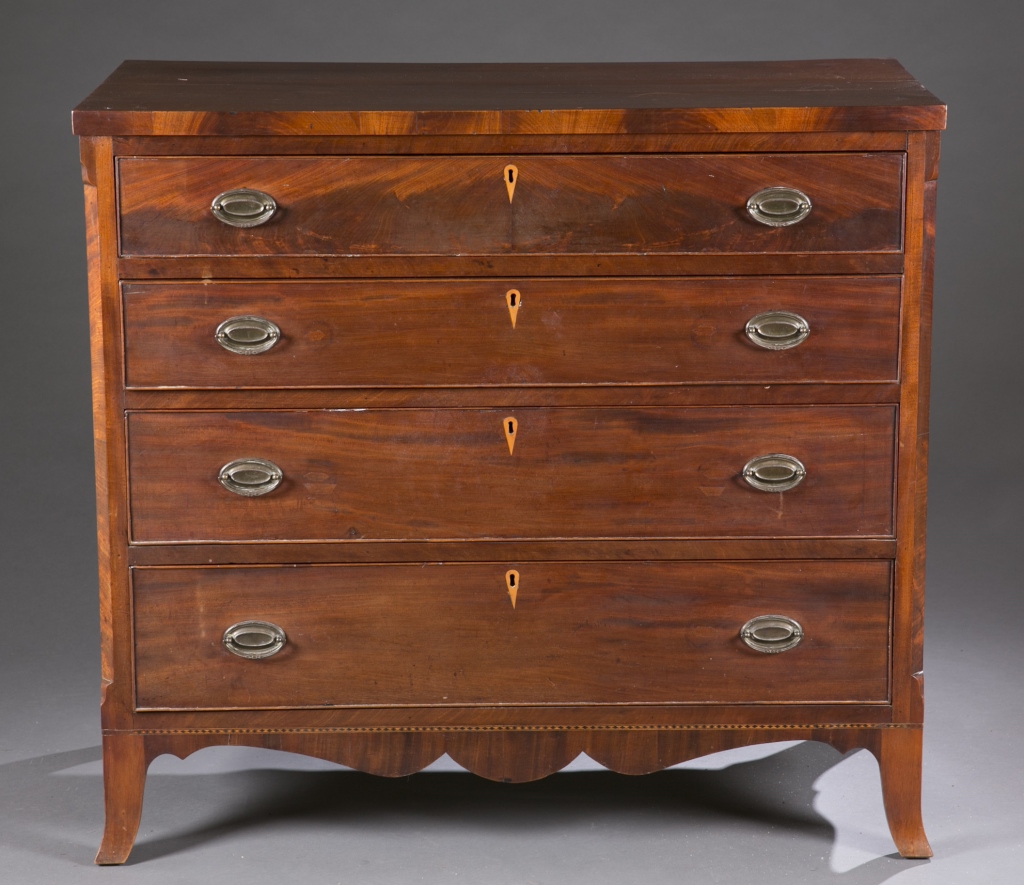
(511, 412)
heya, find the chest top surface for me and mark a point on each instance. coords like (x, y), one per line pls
(267, 98)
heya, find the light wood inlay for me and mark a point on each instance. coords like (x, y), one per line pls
(511, 426)
(512, 583)
(511, 177)
(514, 300)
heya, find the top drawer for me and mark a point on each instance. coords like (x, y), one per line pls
(467, 205)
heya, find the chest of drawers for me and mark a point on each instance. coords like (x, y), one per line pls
(510, 412)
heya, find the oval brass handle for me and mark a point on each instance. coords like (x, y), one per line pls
(254, 639)
(250, 477)
(777, 329)
(774, 473)
(247, 334)
(771, 633)
(779, 206)
(243, 207)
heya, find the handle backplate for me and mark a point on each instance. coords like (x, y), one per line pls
(243, 207)
(777, 329)
(254, 639)
(779, 206)
(247, 334)
(771, 634)
(774, 473)
(250, 477)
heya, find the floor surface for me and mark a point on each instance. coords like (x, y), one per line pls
(788, 813)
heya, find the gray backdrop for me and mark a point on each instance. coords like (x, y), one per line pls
(803, 815)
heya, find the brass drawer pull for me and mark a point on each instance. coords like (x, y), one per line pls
(250, 477)
(247, 334)
(243, 207)
(777, 329)
(774, 473)
(771, 633)
(779, 206)
(254, 639)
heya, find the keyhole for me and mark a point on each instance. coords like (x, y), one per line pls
(513, 299)
(511, 174)
(510, 426)
(511, 580)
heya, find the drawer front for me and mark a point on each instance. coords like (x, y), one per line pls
(575, 205)
(401, 333)
(459, 474)
(447, 635)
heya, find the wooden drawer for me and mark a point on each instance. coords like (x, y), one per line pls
(448, 474)
(460, 205)
(447, 635)
(396, 333)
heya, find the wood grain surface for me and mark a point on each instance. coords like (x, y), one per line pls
(899, 754)
(379, 206)
(566, 143)
(536, 264)
(501, 718)
(803, 393)
(124, 777)
(421, 474)
(515, 757)
(253, 98)
(572, 550)
(446, 333)
(448, 635)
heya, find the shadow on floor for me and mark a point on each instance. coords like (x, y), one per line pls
(751, 817)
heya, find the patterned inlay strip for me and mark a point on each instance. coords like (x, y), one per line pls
(454, 730)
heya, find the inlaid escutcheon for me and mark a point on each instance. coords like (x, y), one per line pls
(514, 301)
(511, 175)
(512, 584)
(510, 426)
